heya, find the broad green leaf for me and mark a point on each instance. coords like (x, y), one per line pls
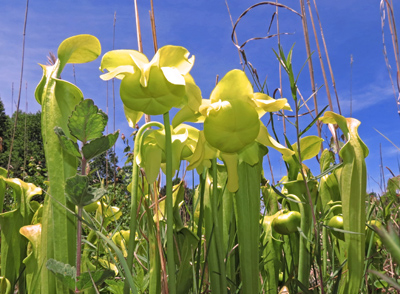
(115, 286)
(99, 145)
(309, 148)
(78, 191)
(78, 49)
(87, 121)
(67, 144)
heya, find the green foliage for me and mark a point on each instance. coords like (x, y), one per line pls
(28, 142)
(67, 274)
(80, 193)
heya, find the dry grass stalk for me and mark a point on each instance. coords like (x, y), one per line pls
(236, 39)
(138, 31)
(153, 26)
(147, 117)
(310, 64)
(113, 95)
(327, 57)
(328, 93)
(393, 32)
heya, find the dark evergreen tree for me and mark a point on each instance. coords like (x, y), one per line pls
(4, 135)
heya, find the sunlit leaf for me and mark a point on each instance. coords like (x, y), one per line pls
(78, 49)
(87, 121)
(99, 145)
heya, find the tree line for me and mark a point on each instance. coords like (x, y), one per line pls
(28, 161)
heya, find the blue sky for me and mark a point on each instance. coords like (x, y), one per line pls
(351, 28)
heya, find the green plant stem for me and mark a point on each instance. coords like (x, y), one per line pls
(79, 231)
(217, 229)
(78, 244)
(200, 224)
(304, 278)
(134, 200)
(169, 206)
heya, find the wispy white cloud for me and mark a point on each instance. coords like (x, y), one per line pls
(368, 96)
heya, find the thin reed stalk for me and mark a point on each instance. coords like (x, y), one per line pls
(153, 27)
(25, 127)
(327, 58)
(107, 153)
(20, 87)
(393, 32)
(113, 95)
(236, 39)
(278, 31)
(351, 85)
(310, 64)
(328, 93)
(147, 117)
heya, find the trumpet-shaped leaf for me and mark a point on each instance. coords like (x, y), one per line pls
(13, 245)
(352, 186)
(58, 99)
(5, 286)
(33, 261)
(309, 148)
